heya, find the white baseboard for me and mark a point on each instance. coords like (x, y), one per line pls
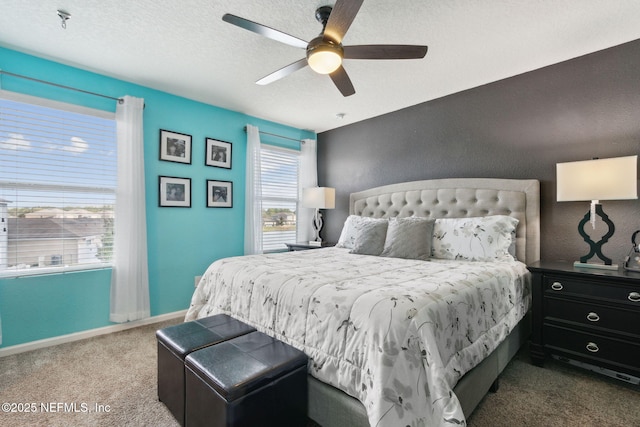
(48, 342)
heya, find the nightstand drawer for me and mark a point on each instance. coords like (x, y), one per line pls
(601, 291)
(619, 352)
(593, 315)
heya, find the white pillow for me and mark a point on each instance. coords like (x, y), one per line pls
(350, 229)
(474, 239)
(348, 234)
(409, 238)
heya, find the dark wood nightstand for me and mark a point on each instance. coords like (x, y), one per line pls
(587, 316)
(303, 246)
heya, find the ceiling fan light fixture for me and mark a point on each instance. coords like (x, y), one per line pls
(324, 62)
(324, 56)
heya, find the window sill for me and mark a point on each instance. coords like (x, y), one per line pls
(41, 271)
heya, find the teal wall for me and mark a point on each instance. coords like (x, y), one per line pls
(182, 242)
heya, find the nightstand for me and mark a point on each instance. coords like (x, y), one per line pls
(587, 317)
(303, 246)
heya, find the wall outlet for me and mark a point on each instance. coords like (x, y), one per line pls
(196, 281)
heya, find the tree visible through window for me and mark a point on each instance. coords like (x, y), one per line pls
(57, 187)
(279, 196)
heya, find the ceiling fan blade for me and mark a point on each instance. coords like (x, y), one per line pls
(342, 15)
(265, 31)
(342, 81)
(385, 51)
(283, 72)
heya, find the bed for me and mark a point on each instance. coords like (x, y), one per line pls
(395, 339)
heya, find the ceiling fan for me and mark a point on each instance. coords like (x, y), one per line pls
(326, 52)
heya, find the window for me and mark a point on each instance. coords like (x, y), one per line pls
(57, 186)
(279, 196)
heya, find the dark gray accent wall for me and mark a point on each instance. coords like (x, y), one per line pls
(519, 127)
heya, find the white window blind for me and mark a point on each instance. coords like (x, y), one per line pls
(57, 187)
(279, 196)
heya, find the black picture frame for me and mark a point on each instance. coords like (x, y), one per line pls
(175, 147)
(174, 192)
(219, 194)
(217, 153)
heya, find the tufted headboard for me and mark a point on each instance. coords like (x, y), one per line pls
(458, 198)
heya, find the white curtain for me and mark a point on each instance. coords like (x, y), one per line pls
(307, 177)
(130, 276)
(253, 195)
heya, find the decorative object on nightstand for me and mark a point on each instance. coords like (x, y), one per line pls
(595, 180)
(318, 198)
(632, 261)
(587, 317)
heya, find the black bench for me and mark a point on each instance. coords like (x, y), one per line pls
(252, 380)
(176, 342)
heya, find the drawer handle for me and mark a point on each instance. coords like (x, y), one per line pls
(592, 347)
(557, 286)
(634, 296)
(593, 317)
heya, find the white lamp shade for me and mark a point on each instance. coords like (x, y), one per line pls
(600, 179)
(319, 197)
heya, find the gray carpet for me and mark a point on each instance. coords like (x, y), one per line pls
(111, 381)
(557, 395)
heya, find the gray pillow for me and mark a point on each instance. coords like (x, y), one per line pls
(409, 238)
(370, 237)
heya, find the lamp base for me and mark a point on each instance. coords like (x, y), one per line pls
(595, 248)
(317, 226)
(595, 265)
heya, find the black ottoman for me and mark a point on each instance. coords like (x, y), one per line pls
(252, 380)
(176, 342)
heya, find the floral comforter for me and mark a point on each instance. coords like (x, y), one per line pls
(396, 334)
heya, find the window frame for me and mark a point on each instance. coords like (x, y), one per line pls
(72, 108)
(295, 200)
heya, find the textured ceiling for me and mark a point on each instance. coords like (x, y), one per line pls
(184, 48)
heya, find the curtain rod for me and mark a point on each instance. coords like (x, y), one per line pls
(277, 136)
(120, 100)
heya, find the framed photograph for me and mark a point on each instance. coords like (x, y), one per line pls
(219, 194)
(218, 153)
(175, 147)
(175, 192)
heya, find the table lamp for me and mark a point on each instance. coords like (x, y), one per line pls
(318, 198)
(595, 180)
